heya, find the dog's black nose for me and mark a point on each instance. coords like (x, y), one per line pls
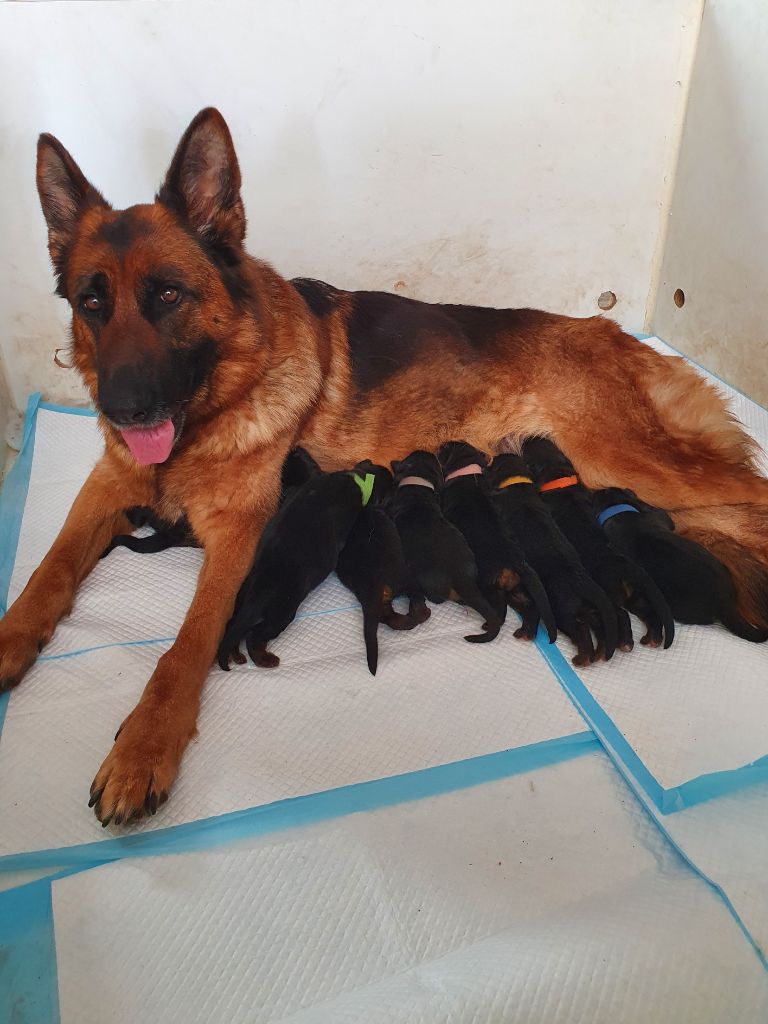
(130, 397)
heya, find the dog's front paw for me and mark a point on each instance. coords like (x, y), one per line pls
(19, 648)
(138, 772)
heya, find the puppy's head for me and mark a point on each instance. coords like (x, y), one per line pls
(419, 463)
(505, 465)
(298, 467)
(608, 496)
(603, 499)
(383, 484)
(455, 455)
(545, 460)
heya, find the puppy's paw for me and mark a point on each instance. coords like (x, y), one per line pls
(651, 639)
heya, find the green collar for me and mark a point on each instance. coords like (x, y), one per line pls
(365, 484)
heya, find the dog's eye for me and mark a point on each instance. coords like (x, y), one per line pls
(170, 295)
(91, 303)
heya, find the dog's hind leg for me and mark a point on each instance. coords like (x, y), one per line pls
(577, 629)
(398, 620)
(625, 640)
(418, 611)
(259, 655)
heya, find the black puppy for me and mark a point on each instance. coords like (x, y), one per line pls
(300, 546)
(697, 586)
(579, 604)
(627, 584)
(166, 535)
(372, 566)
(503, 574)
(297, 469)
(439, 560)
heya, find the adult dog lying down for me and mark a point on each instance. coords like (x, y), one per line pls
(206, 367)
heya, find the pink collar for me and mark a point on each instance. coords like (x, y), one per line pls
(472, 470)
(419, 481)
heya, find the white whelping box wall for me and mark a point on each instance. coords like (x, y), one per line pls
(516, 153)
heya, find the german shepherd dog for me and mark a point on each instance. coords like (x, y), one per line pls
(206, 367)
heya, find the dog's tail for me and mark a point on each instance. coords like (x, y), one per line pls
(606, 625)
(530, 579)
(371, 619)
(641, 582)
(472, 596)
(737, 535)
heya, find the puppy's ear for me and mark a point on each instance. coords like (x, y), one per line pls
(203, 182)
(65, 194)
(396, 465)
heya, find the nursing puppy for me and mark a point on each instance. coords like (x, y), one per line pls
(503, 574)
(579, 605)
(300, 546)
(372, 565)
(298, 467)
(623, 580)
(439, 560)
(697, 586)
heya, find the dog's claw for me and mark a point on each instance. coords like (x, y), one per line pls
(95, 796)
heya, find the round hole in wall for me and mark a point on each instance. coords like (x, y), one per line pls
(606, 300)
(679, 298)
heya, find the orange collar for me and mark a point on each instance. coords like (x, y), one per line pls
(560, 483)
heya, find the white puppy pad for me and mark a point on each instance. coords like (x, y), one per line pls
(545, 897)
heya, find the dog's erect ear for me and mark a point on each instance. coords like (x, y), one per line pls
(65, 194)
(203, 182)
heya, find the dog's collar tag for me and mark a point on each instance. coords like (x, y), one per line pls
(613, 510)
(511, 480)
(418, 481)
(365, 484)
(560, 483)
(473, 470)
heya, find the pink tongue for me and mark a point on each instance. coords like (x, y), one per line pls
(150, 444)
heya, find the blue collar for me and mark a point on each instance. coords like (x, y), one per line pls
(613, 510)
